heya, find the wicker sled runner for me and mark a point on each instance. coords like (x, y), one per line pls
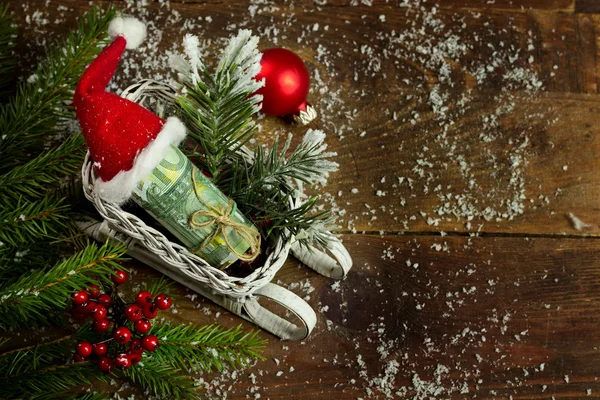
(238, 295)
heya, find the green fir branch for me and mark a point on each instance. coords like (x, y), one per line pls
(218, 108)
(40, 355)
(40, 104)
(49, 383)
(162, 380)
(206, 348)
(7, 45)
(88, 396)
(35, 297)
(27, 222)
(32, 179)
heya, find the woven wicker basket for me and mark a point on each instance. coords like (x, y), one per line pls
(237, 294)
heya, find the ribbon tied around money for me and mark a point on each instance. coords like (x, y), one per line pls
(222, 219)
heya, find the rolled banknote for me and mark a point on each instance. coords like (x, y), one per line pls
(193, 209)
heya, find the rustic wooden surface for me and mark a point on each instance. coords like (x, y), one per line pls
(460, 307)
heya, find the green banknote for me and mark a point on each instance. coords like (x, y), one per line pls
(168, 195)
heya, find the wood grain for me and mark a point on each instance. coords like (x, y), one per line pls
(509, 313)
(506, 316)
(556, 175)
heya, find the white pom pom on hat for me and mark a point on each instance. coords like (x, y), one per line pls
(132, 29)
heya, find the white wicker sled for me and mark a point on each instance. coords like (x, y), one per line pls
(238, 295)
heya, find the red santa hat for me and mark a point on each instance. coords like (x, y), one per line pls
(126, 141)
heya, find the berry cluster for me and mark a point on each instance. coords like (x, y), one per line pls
(130, 323)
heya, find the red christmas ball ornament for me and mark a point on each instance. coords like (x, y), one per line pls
(142, 326)
(119, 277)
(105, 364)
(84, 348)
(79, 297)
(162, 301)
(122, 335)
(133, 313)
(101, 325)
(122, 361)
(143, 298)
(100, 349)
(286, 85)
(150, 311)
(92, 290)
(150, 342)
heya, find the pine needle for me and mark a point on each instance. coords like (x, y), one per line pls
(206, 348)
(39, 106)
(49, 383)
(162, 380)
(39, 355)
(218, 108)
(36, 297)
(7, 45)
(26, 222)
(33, 178)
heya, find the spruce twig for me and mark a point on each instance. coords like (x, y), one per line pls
(7, 44)
(32, 179)
(28, 358)
(218, 108)
(40, 105)
(36, 297)
(49, 383)
(162, 379)
(206, 348)
(27, 222)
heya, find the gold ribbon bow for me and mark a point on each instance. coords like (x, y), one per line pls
(222, 219)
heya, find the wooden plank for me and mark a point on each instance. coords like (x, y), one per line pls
(498, 317)
(587, 6)
(373, 5)
(374, 82)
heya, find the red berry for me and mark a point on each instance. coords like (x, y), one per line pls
(142, 326)
(123, 361)
(99, 312)
(143, 298)
(101, 325)
(134, 358)
(105, 299)
(150, 311)
(122, 335)
(105, 364)
(135, 347)
(84, 348)
(162, 301)
(150, 342)
(90, 308)
(100, 349)
(92, 290)
(119, 277)
(78, 358)
(133, 312)
(79, 297)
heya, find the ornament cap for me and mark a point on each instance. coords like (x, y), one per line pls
(306, 114)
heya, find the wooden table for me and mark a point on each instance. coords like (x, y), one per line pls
(467, 138)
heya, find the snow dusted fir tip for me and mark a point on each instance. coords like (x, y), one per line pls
(238, 65)
(314, 143)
